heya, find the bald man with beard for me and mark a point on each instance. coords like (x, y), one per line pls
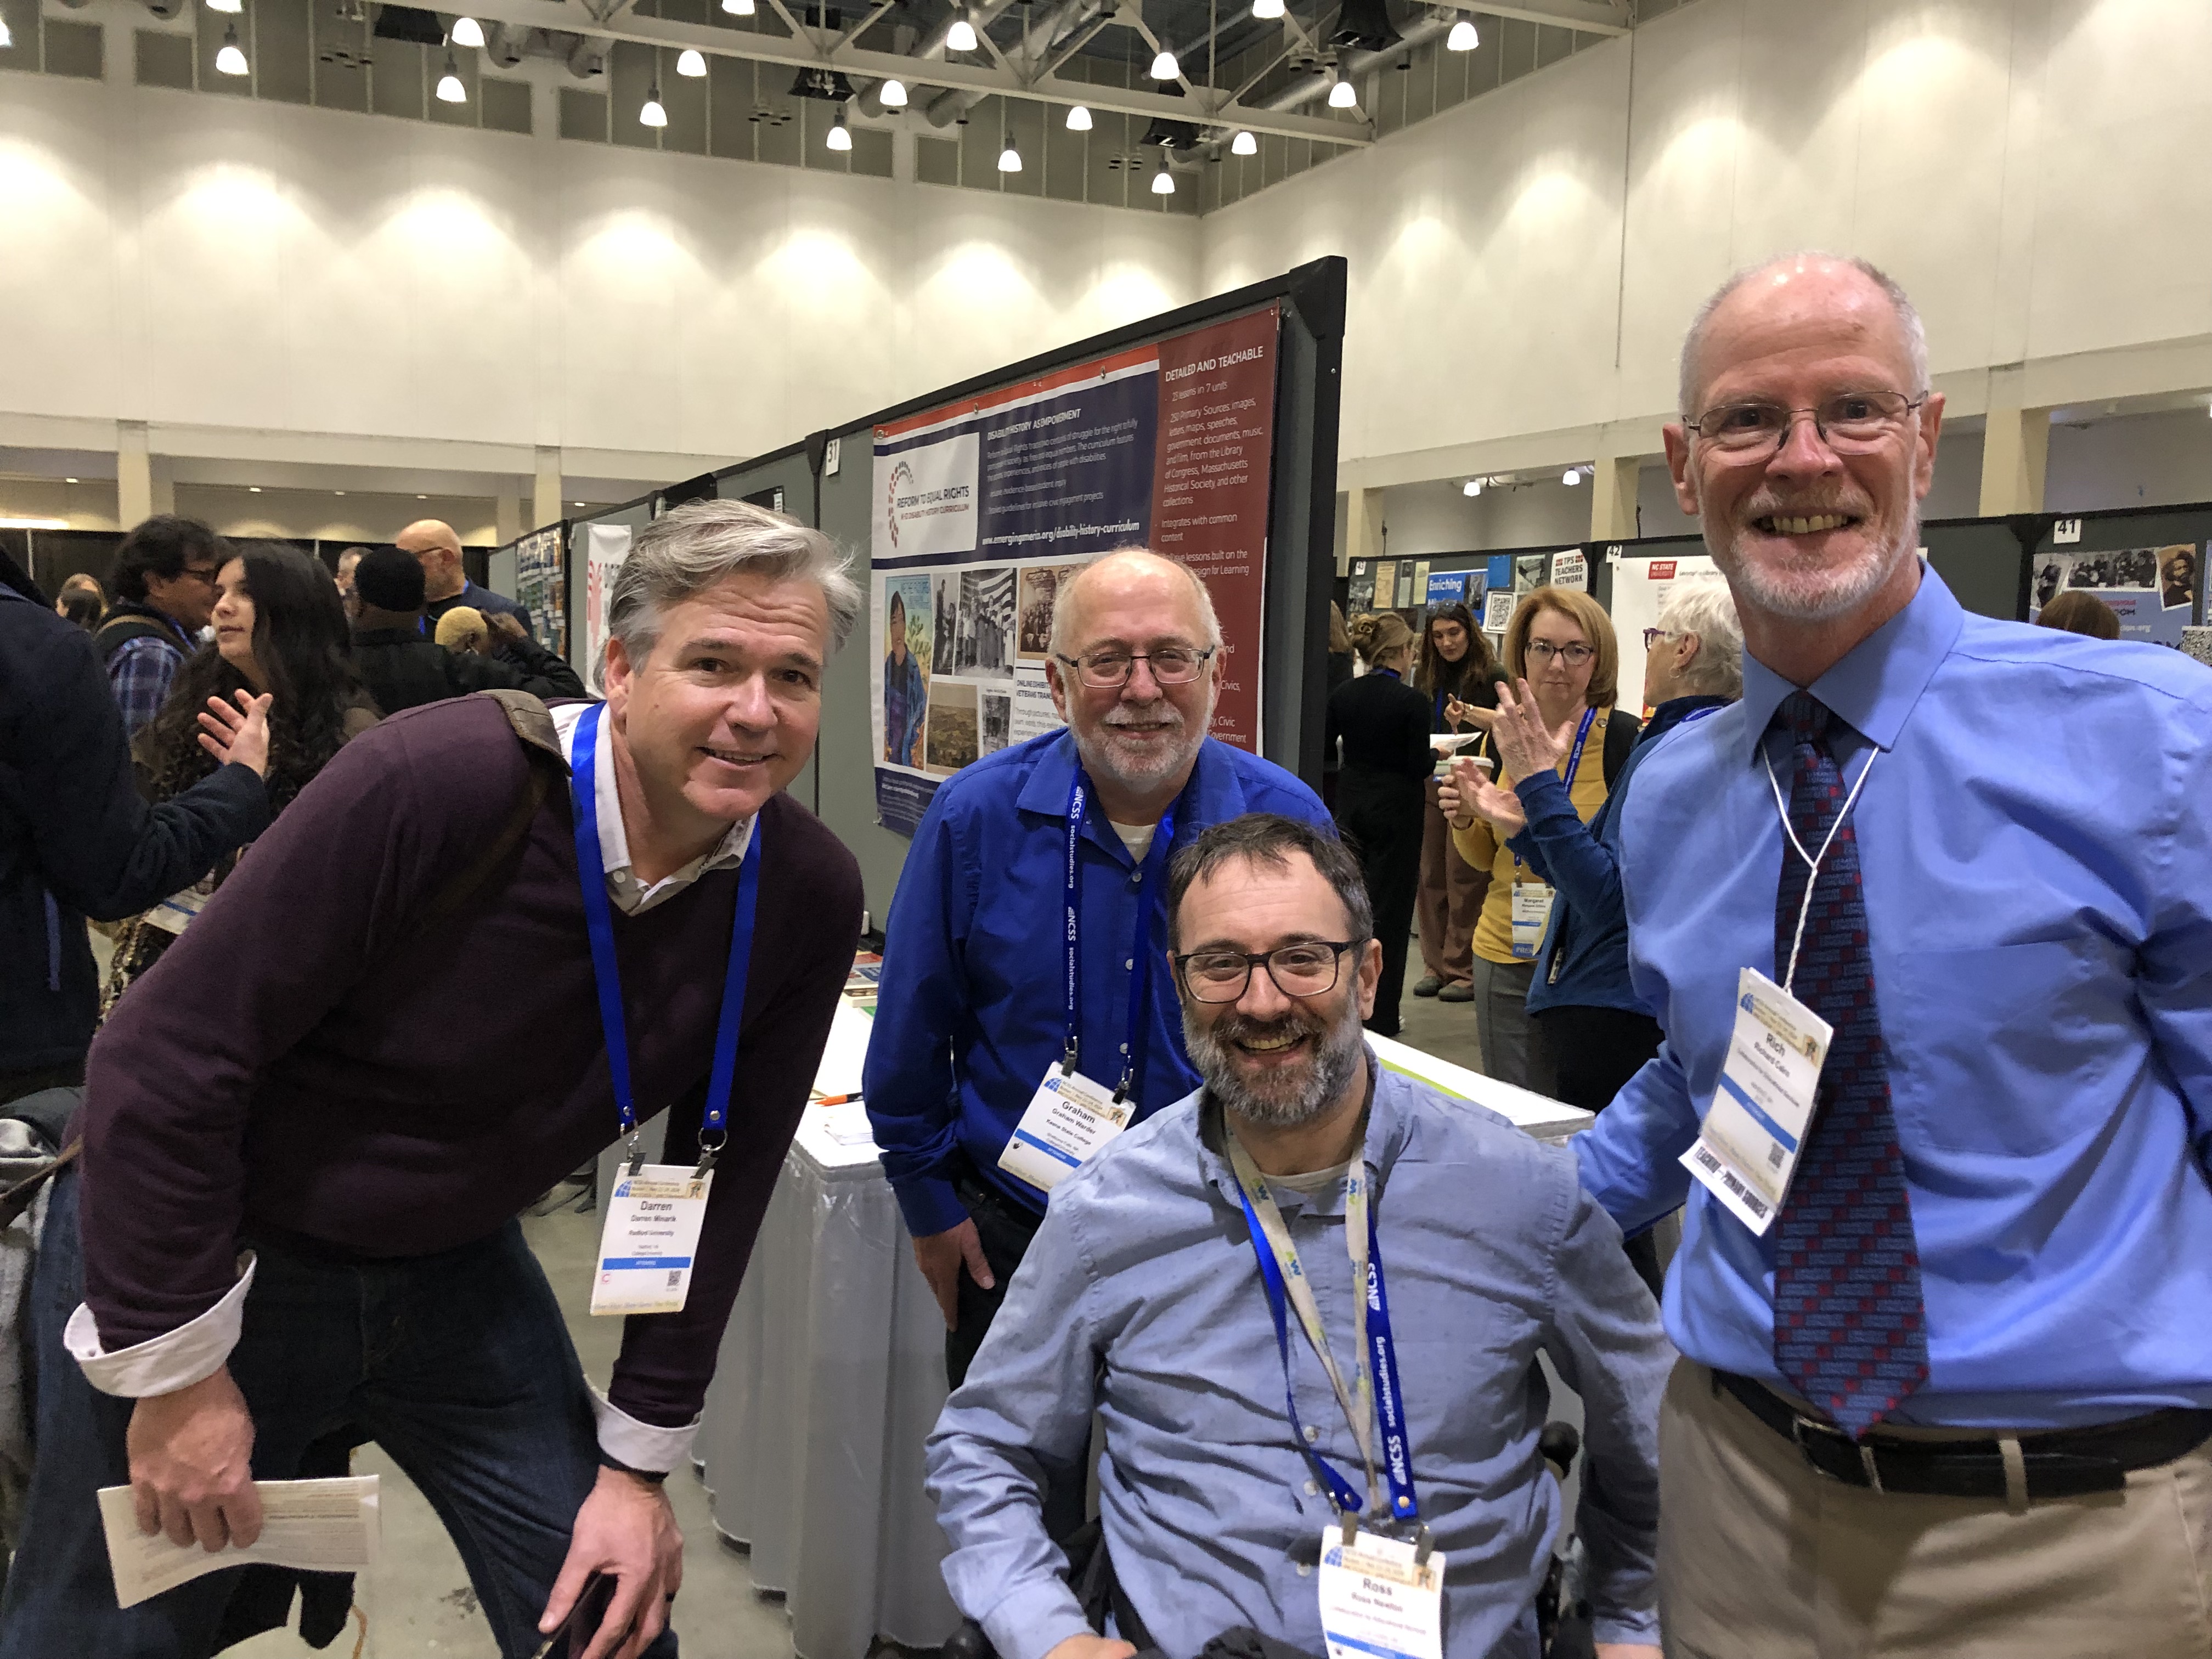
(445, 584)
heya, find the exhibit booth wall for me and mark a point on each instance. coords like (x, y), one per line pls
(828, 480)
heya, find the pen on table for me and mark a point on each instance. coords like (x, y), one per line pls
(837, 1100)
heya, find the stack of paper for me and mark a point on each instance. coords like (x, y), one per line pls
(317, 1525)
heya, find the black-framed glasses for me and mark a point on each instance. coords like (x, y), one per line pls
(1109, 670)
(205, 574)
(1850, 422)
(1540, 652)
(1309, 969)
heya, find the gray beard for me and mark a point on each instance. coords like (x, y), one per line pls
(1286, 1100)
(1846, 591)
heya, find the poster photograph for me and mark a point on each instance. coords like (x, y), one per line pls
(908, 648)
(986, 507)
(2152, 589)
(541, 587)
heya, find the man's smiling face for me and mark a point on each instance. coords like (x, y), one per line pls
(1805, 533)
(723, 712)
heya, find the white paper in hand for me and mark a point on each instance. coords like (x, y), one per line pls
(316, 1526)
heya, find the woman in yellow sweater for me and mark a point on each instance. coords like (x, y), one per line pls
(1559, 649)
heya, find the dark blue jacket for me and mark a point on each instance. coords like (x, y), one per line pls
(1583, 960)
(75, 837)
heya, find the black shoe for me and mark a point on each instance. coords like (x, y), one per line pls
(1427, 986)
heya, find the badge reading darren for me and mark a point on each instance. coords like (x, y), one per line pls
(651, 1237)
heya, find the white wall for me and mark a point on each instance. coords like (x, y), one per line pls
(1523, 266)
(2136, 460)
(216, 265)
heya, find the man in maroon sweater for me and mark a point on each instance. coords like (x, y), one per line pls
(308, 1130)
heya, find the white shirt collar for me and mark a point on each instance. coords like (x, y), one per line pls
(630, 896)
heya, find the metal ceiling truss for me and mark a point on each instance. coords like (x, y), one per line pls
(1007, 77)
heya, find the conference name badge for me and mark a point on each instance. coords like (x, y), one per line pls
(1747, 1148)
(1069, 1118)
(650, 1240)
(1532, 914)
(1378, 1599)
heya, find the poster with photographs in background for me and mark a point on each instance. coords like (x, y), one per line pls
(2153, 590)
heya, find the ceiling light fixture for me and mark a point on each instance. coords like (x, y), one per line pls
(1010, 158)
(1165, 67)
(231, 60)
(892, 94)
(1244, 144)
(468, 33)
(422, 498)
(450, 89)
(692, 64)
(840, 137)
(1341, 92)
(961, 37)
(253, 489)
(1266, 10)
(226, 5)
(7, 40)
(1079, 118)
(1571, 476)
(337, 492)
(1163, 181)
(35, 524)
(653, 115)
(738, 8)
(1462, 37)
(68, 480)
(1472, 487)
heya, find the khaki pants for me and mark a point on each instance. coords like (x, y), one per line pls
(1450, 896)
(1763, 1557)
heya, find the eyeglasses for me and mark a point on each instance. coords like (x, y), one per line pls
(1540, 652)
(1307, 969)
(1851, 423)
(1653, 636)
(205, 575)
(1109, 670)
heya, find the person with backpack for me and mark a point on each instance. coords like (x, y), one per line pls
(296, 1202)
(405, 668)
(1561, 645)
(164, 580)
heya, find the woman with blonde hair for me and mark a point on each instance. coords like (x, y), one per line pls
(1560, 655)
(1384, 724)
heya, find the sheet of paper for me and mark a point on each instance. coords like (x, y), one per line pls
(846, 1053)
(318, 1526)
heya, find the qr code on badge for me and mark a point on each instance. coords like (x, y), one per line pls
(675, 1277)
(1774, 1156)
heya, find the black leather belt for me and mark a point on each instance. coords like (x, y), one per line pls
(2055, 1463)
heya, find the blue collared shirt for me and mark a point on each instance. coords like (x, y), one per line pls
(1141, 1298)
(2033, 842)
(970, 1011)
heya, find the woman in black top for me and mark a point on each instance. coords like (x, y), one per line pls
(1384, 724)
(1456, 670)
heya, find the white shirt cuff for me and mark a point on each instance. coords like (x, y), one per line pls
(192, 1352)
(644, 1446)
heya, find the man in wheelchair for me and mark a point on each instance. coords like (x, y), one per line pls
(1286, 1459)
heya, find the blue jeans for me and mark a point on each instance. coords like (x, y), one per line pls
(457, 1365)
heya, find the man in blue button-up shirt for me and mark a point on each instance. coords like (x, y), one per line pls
(972, 1010)
(1142, 1300)
(2037, 877)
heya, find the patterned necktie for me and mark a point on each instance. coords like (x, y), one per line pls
(1850, 1332)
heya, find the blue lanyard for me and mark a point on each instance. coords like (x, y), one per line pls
(1140, 952)
(1575, 754)
(1390, 1398)
(598, 924)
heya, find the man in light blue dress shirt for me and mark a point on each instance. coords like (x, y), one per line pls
(2036, 868)
(1142, 1299)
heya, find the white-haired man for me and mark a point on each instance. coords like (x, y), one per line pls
(1024, 1017)
(1926, 917)
(300, 1177)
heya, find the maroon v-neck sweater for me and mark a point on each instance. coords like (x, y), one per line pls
(306, 1059)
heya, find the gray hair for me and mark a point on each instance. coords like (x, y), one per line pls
(689, 549)
(1702, 604)
(1908, 319)
(1063, 598)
